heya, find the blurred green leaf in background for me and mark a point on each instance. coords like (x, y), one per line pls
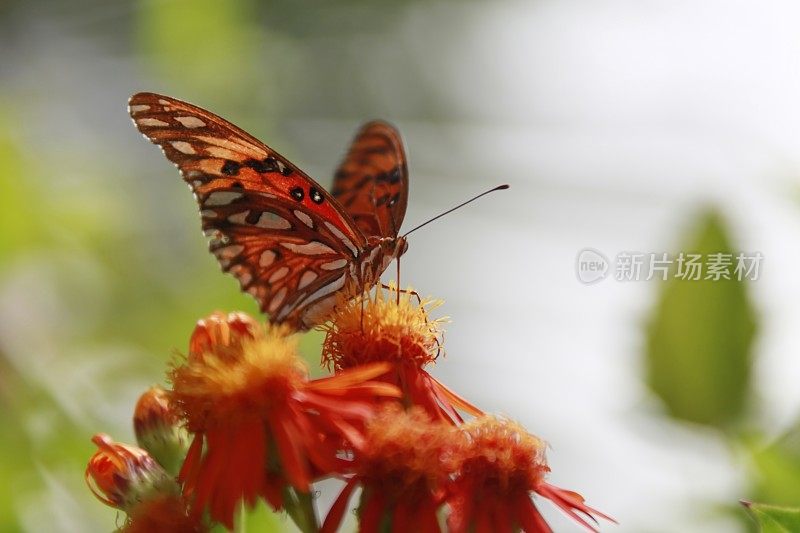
(699, 341)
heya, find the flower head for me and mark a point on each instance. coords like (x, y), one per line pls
(122, 476)
(402, 470)
(501, 464)
(397, 330)
(159, 429)
(222, 333)
(260, 425)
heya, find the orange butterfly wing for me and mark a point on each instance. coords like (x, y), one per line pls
(287, 240)
(372, 181)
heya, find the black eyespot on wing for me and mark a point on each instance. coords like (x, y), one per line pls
(267, 165)
(315, 195)
(231, 168)
(297, 193)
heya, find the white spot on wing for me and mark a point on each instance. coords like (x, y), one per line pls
(278, 274)
(309, 248)
(164, 102)
(229, 252)
(304, 218)
(325, 290)
(307, 277)
(222, 153)
(152, 122)
(234, 145)
(242, 274)
(221, 198)
(277, 300)
(334, 265)
(270, 220)
(239, 218)
(191, 122)
(138, 107)
(208, 213)
(183, 147)
(347, 242)
(267, 257)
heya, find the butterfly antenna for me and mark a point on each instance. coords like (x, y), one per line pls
(440, 215)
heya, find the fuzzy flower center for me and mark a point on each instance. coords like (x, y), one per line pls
(500, 455)
(221, 385)
(405, 451)
(375, 327)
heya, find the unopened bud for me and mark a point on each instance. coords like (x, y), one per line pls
(159, 429)
(220, 332)
(122, 476)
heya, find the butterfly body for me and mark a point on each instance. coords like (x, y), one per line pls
(292, 245)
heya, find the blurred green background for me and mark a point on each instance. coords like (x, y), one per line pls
(659, 128)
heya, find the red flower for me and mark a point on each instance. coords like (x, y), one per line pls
(368, 329)
(259, 424)
(500, 466)
(402, 470)
(129, 479)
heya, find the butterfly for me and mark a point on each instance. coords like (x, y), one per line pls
(291, 245)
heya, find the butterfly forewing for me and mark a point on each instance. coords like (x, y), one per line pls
(287, 241)
(372, 181)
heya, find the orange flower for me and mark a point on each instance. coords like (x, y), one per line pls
(368, 329)
(260, 425)
(501, 465)
(121, 475)
(402, 470)
(159, 430)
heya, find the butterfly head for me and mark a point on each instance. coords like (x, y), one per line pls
(390, 247)
(393, 247)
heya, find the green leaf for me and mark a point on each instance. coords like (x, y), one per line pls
(773, 518)
(698, 356)
(775, 467)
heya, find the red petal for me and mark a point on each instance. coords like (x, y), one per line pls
(351, 376)
(338, 508)
(372, 514)
(529, 516)
(457, 400)
(290, 459)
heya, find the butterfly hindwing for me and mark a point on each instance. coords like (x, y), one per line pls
(371, 183)
(287, 240)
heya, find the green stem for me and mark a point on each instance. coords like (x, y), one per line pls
(241, 527)
(300, 507)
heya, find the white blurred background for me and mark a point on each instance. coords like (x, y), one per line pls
(615, 122)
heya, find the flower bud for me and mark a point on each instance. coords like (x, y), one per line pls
(159, 429)
(220, 332)
(121, 476)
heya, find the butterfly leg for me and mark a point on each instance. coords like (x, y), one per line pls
(411, 292)
(404, 291)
